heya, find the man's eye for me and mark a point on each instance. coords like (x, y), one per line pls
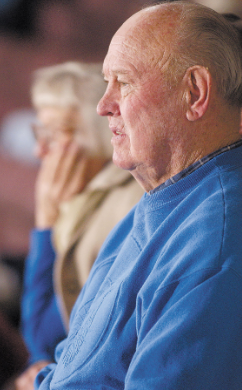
(122, 83)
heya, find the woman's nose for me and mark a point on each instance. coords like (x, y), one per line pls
(41, 148)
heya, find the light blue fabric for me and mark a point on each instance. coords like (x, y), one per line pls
(162, 308)
(42, 327)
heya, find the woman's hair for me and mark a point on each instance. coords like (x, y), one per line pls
(75, 85)
(204, 37)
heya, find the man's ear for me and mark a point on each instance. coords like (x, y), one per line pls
(197, 95)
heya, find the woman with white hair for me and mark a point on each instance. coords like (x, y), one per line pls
(80, 196)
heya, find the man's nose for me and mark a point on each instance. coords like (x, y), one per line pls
(109, 104)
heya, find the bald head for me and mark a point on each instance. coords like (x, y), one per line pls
(149, 33)
(151, 26)
(188, 34)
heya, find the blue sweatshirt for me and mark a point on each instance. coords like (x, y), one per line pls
(162, 308)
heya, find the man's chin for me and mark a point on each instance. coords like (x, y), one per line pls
(122, 163)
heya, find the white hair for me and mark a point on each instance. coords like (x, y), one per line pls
(75, 85)
(203, 37)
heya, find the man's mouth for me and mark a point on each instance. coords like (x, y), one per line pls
(115, 131)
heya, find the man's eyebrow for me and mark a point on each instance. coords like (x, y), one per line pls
(121, 71)
(118, 71)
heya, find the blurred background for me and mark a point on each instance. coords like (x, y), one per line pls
(33, 34)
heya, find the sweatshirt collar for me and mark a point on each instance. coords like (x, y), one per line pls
(193, 167)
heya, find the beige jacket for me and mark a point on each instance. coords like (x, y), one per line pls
(83, 225)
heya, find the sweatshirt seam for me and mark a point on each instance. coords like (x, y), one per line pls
(190, 275)
(197, 271)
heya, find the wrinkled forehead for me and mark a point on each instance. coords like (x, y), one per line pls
(146, 37)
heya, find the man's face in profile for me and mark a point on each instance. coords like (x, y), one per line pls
(139, 102)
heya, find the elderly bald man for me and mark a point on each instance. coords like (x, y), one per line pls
(162, 308)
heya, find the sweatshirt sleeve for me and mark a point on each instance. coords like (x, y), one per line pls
(41, 323)
(194, 341)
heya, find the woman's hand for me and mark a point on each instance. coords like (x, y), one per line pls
(26, 380)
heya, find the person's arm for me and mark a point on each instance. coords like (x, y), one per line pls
(189, 335)
(42, 326)
(64, 172)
